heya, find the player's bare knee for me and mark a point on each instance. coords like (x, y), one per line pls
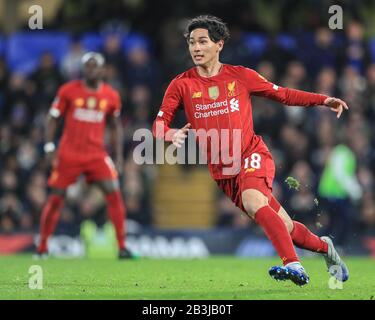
(253, 200)
(286, 218)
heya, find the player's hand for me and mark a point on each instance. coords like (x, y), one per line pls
(336, 105)
(180, 135)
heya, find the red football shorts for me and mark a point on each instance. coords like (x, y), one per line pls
(257, 172)
(66, 172)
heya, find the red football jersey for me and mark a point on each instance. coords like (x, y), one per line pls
(223, 102)
(84, 111)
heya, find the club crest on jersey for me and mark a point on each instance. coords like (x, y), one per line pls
(197, 94)
(79, 102)
(213, 92)
(91, 102)
(103, 104)
(231, 86)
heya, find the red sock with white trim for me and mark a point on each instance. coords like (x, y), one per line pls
(276, 231)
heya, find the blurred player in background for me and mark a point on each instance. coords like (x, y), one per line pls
(86, 106)
(215, 96)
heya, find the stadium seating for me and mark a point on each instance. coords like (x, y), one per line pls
(92, 41)
(133, 40)
(286, 42)
(25, 48)
(256, 43)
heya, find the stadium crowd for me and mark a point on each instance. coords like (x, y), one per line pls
(325, 61)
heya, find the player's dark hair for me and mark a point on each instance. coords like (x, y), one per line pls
(217, 29)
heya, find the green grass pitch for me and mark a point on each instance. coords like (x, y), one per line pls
(216, 278)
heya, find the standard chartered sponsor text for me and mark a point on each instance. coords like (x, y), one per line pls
(210, 106)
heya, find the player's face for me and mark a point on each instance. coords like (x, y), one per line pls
(92, 71)
(202, 49)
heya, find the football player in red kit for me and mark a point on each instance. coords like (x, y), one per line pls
(86, 106)
(215, 96)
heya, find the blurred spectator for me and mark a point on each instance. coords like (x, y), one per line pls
(47, 79)
(113, 77)
(326, 82)
(142, 69)
(351, 86)
(229, 215)
(10, 213)
(15, 93)
(9, 182)
(356, 52)
(302, 204)
(326, 131)
(174, 55)
(323, 53)
(369, 107)
(5, 140)
(4, 79)
(113, 53)
(71, 63)
(367, 218)
(277, 55)
(339, 190)
(294, 143)
(137, 192)
(236, 52)
(27, 156)
(296, 77)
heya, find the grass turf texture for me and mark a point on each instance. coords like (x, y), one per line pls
(212, 278)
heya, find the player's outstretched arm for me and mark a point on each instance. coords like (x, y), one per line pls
(258, 85)
(336, 105)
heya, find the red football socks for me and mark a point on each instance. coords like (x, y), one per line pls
(302, 237)
(305, 239)
(276, 231)
(116, 212)
(48, 220)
